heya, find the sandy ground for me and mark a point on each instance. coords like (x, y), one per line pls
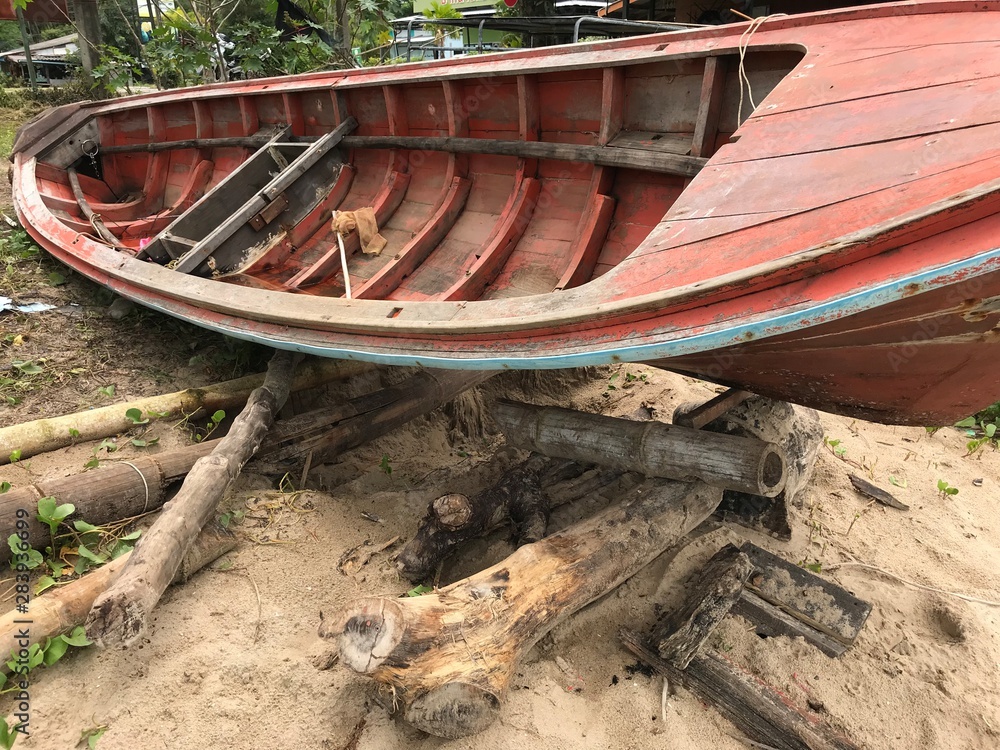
(228, 662)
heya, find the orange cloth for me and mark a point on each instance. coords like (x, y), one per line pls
(344, 222)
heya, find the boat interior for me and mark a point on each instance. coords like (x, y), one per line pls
(515, 185)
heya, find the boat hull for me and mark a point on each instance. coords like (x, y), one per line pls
(547, 210)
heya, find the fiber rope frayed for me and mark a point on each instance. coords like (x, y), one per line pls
(745, 38)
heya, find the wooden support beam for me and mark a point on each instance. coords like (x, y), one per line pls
(706, 124)
(449, 656)
(515, 218)
(712, 409)
(652, 161)
(651, 448)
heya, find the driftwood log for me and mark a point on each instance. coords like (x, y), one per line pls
(63, 608)
(447, 657)
(119, 615)
(49, 434)
(522, 498)
(120, 490)
(653, 449)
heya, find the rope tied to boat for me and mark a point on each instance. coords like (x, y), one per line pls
(744, 44)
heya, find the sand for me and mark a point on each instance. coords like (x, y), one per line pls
(228, 662)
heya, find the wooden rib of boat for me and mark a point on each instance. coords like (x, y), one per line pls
(807, 209)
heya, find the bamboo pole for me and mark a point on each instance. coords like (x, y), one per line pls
(651, 448)
(49, 434)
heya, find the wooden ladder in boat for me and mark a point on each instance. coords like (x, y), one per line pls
(267, 185)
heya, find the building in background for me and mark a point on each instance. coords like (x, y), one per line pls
(53, 60)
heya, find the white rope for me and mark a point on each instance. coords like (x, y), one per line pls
(343, 263)
(866, 566)
(745, 38)
(145, 505)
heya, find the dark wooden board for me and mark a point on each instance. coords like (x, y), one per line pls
(805, 596)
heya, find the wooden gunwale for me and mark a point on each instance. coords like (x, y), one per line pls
(571, 308)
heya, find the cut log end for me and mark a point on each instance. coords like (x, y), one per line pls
(453, 511)
(772, 472)
(454, 710)
(115, 620)
(367, 633)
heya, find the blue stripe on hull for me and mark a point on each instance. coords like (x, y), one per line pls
(738, 334)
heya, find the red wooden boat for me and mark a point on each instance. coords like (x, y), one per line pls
(825, 232)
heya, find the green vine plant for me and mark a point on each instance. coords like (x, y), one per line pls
(40, 654)
(74, 548)
(981, 432)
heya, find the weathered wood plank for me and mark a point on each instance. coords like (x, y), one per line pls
(655, 161)
(706, 126)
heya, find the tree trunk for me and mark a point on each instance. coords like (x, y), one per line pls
(448, 657)
(651, 448)
(119, 616)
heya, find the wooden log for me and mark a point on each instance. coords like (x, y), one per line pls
(120, 490)
(651, 448)
(447, 657)
(63, 608)
(796, 429)
(41, 435)
(679, 638)
(522, 497)
(120, 614)
(756, 709)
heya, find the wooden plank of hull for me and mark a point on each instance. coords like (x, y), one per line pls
(410, 257)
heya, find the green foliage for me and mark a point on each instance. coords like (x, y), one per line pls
(835, 446)
(107, 390)
(8, 734)
(946, 489)
(419, 590)
(15, 456)
(981, 431)
(91, 736)
(47, 653)
(385, 466)
(180, 51)
(259, 52)
(213, 422)
(135, 416)
(117, 69)
(4, 487)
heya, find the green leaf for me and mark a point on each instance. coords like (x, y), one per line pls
(35, 656)
(56, 279)
(107, 390)
(46, 508)
(15, 456)
(45, 582)
(27, 367)
(816, 567)
(897, 482)
(74, 433)
(419, 590)
(107, 444)
(990, 430)
(92, 463)
(83, 526)
(156, 414)
(135, 415)
(142, 443)
(132, 536)
(92, 736)
(54, 651)
(4, 487)
(8, 735)
(77, 637)
(121, 548)
(218, 416)
(86, 554)
(967, 422)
